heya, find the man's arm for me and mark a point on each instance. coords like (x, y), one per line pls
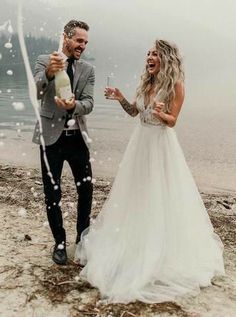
(45, 69)
(85, 103)
(40, 77)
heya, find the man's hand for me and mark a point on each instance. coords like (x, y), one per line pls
(68, 104)
(56, 64)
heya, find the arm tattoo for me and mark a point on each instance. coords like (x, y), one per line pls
(129, 108)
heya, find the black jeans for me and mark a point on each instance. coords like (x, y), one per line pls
(73, 150)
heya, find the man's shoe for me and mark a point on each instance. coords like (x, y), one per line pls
(59, 254)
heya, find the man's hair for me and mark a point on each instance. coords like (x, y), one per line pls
(69, 28)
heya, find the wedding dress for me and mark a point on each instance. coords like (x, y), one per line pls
(153, 239)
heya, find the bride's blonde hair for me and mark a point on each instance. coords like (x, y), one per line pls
(163, 83)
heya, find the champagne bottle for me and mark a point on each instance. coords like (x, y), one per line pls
(62, 85)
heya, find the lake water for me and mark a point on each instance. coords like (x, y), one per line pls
(207, 141)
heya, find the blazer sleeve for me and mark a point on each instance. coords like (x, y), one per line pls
(41, 81)
(85, 103)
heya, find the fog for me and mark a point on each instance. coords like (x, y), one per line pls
(120, 34)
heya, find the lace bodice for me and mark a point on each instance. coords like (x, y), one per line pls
(146, 113)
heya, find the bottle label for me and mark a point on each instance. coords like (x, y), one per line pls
(65, 92)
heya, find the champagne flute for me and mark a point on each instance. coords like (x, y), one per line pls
(110, 85)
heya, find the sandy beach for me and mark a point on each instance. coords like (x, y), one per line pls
(31, 285)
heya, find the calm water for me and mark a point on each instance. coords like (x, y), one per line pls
(208, 141)
(14, 89)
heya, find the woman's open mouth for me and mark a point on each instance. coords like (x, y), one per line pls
(151, 66)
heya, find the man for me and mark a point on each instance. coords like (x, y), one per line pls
(65, 143)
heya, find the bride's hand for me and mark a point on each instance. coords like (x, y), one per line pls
(158, 108)
(113, 94)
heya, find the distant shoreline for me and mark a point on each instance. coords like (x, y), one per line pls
(106, 152)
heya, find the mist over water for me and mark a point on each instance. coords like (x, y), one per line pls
(206, 127)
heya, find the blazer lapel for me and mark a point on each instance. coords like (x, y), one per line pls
(78, 71)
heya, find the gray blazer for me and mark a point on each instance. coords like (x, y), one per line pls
(53, 117)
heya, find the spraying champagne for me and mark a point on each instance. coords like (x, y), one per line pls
(62, 80)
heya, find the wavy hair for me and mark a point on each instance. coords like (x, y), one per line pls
(163, 83)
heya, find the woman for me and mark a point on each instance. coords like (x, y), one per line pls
(153, 239)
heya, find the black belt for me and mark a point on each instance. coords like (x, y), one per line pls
(71, 132)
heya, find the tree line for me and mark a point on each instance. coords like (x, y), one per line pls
(35, 47)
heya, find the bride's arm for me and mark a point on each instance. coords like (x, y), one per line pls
(170, 118)
(130, 108)
(115, 94)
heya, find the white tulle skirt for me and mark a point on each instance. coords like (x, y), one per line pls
(153, 239)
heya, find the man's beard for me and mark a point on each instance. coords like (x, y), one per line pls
(70, 51)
